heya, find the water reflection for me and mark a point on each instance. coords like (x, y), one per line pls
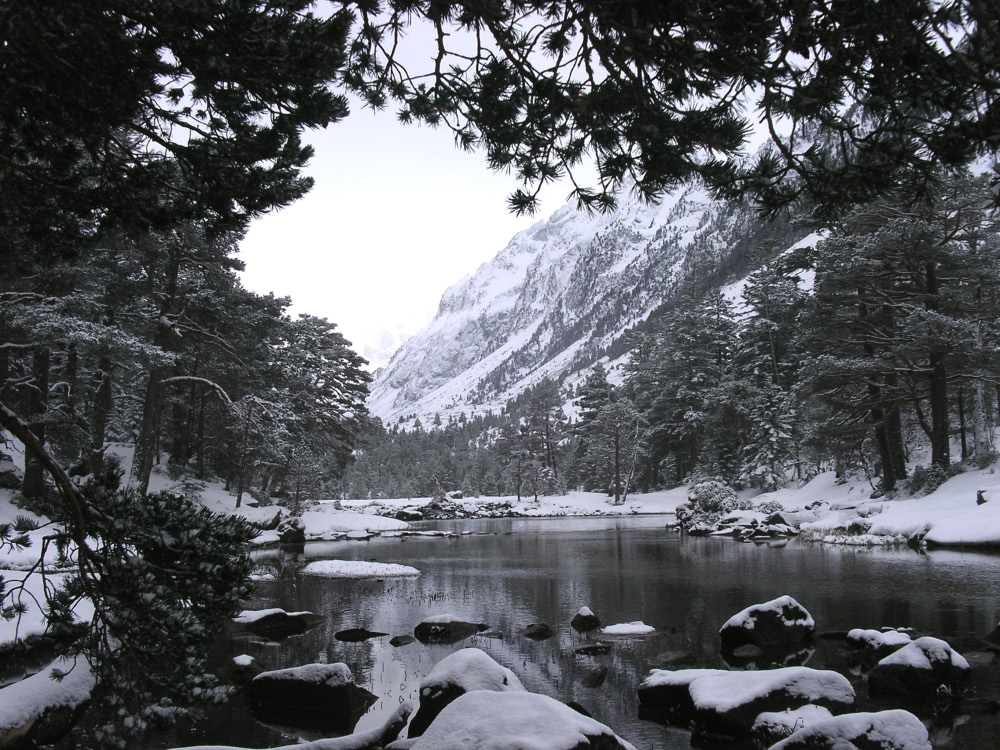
(510, 573)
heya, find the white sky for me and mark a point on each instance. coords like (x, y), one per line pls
(397, 215)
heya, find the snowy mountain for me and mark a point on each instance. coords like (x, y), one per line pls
(561, 295)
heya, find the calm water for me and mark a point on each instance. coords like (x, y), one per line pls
(513, 572)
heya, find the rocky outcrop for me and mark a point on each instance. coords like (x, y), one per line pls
(314, 696)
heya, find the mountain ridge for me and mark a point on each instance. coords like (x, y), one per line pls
(562, 294)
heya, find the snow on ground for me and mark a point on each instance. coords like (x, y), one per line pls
(357, 569)
(570, 504)
(33, 622)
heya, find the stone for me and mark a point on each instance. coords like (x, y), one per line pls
(585, 620)
(446, 629)
(39, 710)
(243, 669)
(885, 730)
(292, 531)
(595, 678)
(409, 514)
(779, 623)
(539, 631)
(314, 696)
(458, 673)
(774, 726)
(356, 635)
(401, 640)
(275, 624)
(919, 669)
(595, 649)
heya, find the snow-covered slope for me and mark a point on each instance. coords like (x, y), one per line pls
(558, 297)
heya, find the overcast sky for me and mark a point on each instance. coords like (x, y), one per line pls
(397, 215)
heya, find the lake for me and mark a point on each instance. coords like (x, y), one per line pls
(510, 573)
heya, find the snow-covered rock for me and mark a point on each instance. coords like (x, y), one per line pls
(729, 702)
(637, 627)
(919, 668)
(39, 710)
(485, 720)
(880, 642)
(275, 623)
(886, 730)
(357, 569)
(772, 726)
(585, 620)
(781, 622)
(315, 696)
(459, 673)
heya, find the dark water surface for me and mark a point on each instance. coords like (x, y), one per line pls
(513, 572)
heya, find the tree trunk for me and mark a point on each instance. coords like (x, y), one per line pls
(200, 463)
(241, 469)
(938, 382)
(33, 485)
(103, 403)
(618, 469)
(145, 444)
(961, 424)
(877, 418)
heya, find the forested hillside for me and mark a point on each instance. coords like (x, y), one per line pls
(872, 349)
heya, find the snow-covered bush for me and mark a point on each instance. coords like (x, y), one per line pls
(926, 479)
(707, 503)
(770, 506)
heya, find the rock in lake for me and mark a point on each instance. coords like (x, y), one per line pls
(459, 673)
(595, 678)
(878, 643)
(779, 623)
(595, 649)
(486, 720)
(722, 702)
(446, 629)
(538, 631)
(774, 726)
(356, 635)
(314, 696)
(585, 620)
(885, 730)
(919, 668)
(276, 623)
(401, 640)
